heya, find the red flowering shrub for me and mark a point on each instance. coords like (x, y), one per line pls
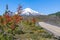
(17, 18)
(7, 17)
(33, 20)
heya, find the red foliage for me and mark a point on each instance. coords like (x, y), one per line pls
(33, 20)
(8, 18)
(17, 18)
(14, 19)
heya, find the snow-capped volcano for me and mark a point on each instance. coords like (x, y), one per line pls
(29, 11)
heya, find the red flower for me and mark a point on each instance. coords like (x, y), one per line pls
(17, 18)
(33, 20)
(7, 17)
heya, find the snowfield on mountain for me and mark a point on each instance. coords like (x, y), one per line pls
(29, 11)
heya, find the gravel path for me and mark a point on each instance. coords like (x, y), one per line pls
(54, 29)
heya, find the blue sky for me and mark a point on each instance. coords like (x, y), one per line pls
(42, 6)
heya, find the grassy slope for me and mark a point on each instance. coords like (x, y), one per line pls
(25, 31)
(32, 32)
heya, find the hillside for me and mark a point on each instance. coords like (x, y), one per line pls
(16, 28)
(53, 18)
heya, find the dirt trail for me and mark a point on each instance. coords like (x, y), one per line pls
(54, 29)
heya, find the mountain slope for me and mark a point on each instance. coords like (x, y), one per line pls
(29, 12)
(57, 14)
